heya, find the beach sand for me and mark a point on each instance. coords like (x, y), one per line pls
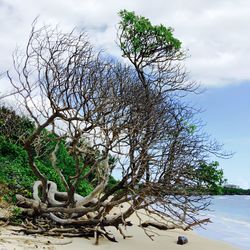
(139, 240)
(164, 240)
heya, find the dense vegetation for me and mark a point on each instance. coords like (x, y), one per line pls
(15, 172)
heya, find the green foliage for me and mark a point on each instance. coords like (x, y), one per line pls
(11, 151)
(16, 212)
(65, 161)
(190, 128)
(50, 173)
(14, 126)
(5, 194)
(111, 183)
(235, 191)
(210, 177)
(15, 172)
(67, 164)
(139, 36)
(84, 188)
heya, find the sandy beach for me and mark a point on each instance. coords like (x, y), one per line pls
(164, 240)
(9, 240)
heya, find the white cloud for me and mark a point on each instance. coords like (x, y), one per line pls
(215, 32)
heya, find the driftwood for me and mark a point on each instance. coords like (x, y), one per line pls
(157, 225)
(163, 226)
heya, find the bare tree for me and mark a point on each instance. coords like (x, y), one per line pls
(100, 108)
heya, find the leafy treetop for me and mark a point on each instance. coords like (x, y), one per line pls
(142, 39)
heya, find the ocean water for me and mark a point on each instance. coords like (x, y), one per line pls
(231, 221)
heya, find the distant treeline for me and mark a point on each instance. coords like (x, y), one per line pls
(234, 191)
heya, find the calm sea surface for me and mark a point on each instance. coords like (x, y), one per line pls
(231, 221)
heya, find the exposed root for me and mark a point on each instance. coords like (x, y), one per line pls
(38, 218)
(89, 219)
(41, 227)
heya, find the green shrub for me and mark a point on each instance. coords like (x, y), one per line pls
(15, 172)
(14, 126)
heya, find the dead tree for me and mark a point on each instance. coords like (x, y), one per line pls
(99, 107)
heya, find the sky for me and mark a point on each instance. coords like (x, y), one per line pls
(214, 33)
